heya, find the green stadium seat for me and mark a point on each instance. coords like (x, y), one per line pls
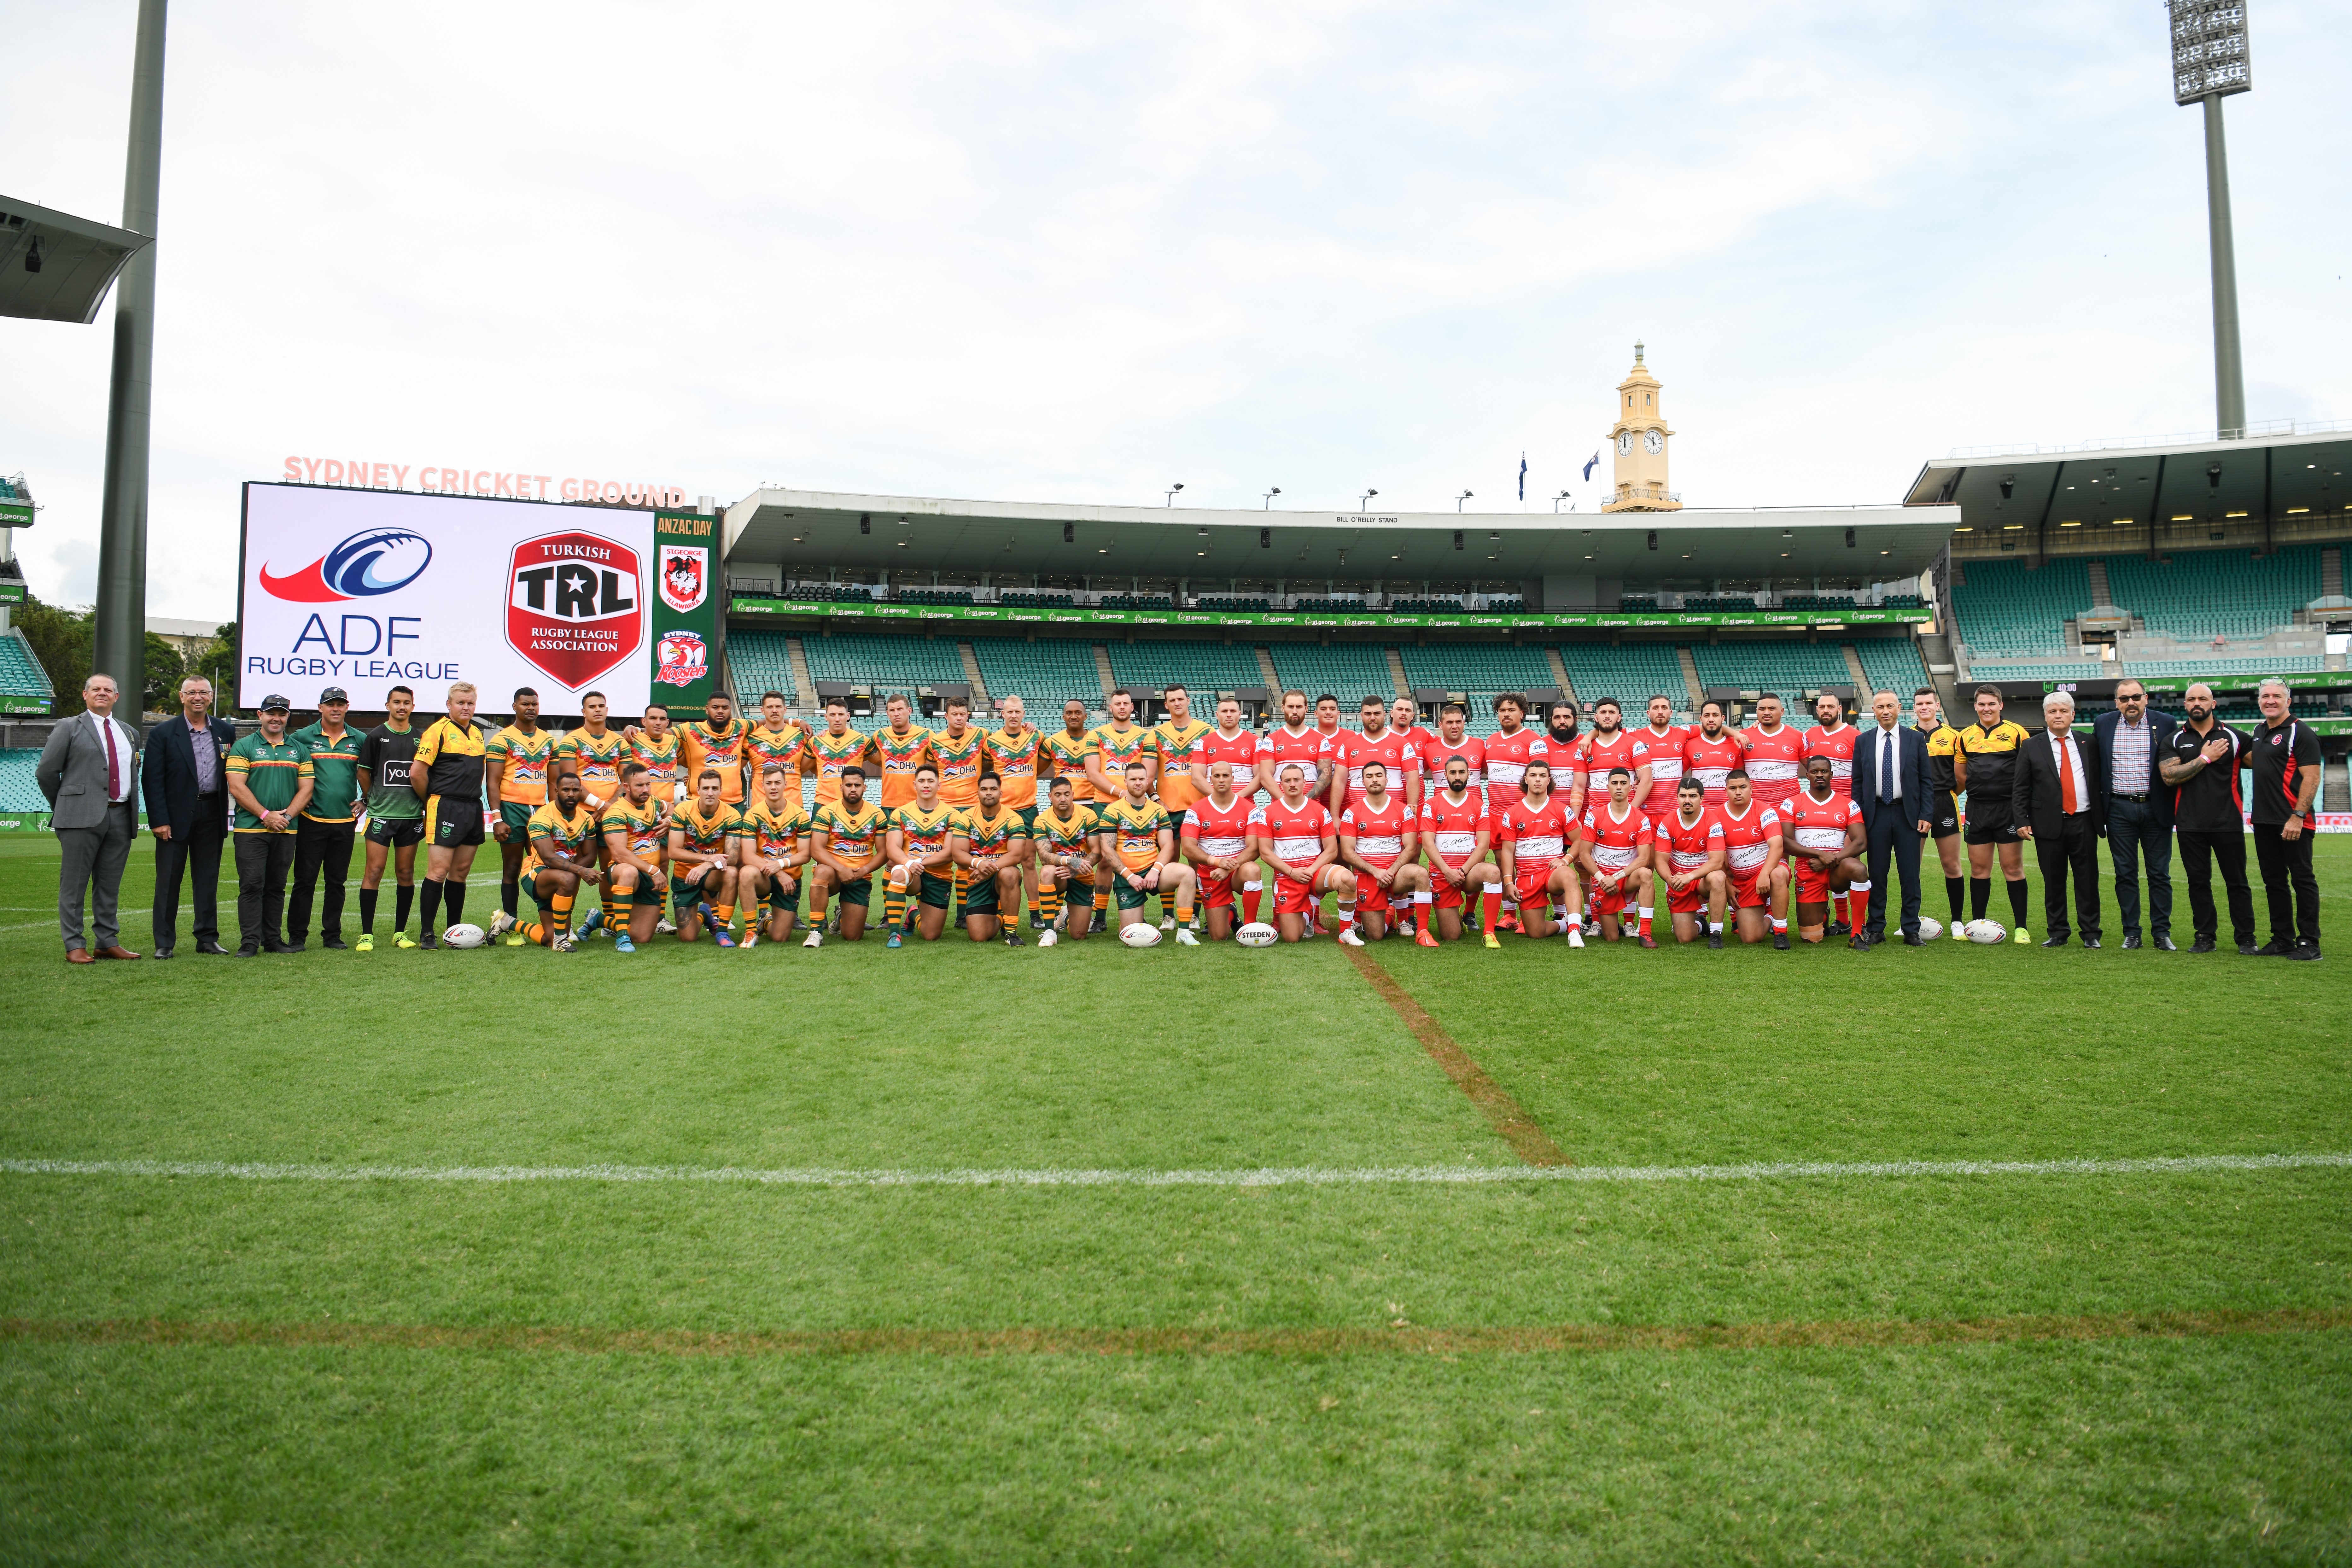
(2003, 608)
(21, 673)
(1203, 664)
(758, 663)
(1631, 674)
(1349, 671)
(2216, 593)
(883, 662)
(19, 788)
(1481, 670)
(1043, 674)
(1894, 663)
(1787, 668)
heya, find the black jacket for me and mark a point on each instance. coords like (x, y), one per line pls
(2037, 799)
(171, 781)
(2159, 735)
(1911, 764)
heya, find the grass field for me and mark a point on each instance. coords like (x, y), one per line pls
(954, 1254)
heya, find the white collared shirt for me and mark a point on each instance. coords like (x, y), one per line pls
(2071, 750)
(126, 747)
(1890, 762)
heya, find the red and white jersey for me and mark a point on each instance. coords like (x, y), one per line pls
(1240, 748)
(1355, 749)
(1837, 746)
(1819, 825)
(1664, 750)
(1417, 739)
(1708, 761)
(1774, 763)
(1538, 835)
(1615, 839)
(1748, 839)
(1470, 749)
(1507, 756)
(1689, 844)
(1597, 753)
(1284, 744)
(1222, 832)
(1450, 827)
(1378, 833)
(1295, 838)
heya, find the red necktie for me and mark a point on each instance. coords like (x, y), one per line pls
(2065, 777)
(113, 763)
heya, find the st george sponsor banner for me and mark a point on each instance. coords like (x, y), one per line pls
(369, 590)
(687, 648)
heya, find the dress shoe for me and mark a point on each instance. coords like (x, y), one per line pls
(2303, 952)
(2131, 941)
(253, 951)
(2090, 942)
(2247, 949)
(2163, 943)
(334, 943)
(161, 952)
(116, 950)
(1913, 939)
(278, 947)
(291, 947)
(78, 955)
(2053, 942)
(213, 948)
(2202, 945)
(2274, 949)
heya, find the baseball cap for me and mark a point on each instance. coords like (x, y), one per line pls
(334, 694)
(273, 701)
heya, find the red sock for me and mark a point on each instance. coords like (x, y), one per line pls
(1249, 905)
(1490, 906)
(1857, 909)
(1642, 925)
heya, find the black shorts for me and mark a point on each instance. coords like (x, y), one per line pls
(1942, 814)
(979, 896)
(1991, 824)
(398, 832)
(452, 822)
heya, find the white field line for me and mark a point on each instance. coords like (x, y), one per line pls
(1274, 1176)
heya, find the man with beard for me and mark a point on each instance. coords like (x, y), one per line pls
(2200, 762)
(1711, 751)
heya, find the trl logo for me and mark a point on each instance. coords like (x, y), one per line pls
(571, 604)
(379, 561)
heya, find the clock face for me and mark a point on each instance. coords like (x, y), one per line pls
(1654, 442)
(1624, 443)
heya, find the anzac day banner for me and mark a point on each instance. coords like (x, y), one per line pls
(687, 647)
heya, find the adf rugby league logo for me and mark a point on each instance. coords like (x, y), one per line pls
(685, 575)
(683, 657)
(377, 561)
(572, 605)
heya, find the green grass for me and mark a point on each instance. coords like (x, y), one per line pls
(443, 1447)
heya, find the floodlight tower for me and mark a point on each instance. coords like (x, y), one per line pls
(2209, 64)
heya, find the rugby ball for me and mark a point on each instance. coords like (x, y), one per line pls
(1142, 933)
(1257, 934)
(1930, 928)
(464, 936)
(1987, 931)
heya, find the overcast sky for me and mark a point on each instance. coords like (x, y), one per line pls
(1077, 252)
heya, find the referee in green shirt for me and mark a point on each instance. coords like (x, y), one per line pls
(322, 836)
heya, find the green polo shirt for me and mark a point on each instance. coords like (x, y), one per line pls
(335, 768)
(272, 772)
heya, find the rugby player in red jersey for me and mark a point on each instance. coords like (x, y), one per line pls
(1711, 751)
(1292, 741)
(1834, 738)
(1295, 834)
(1375, 742)
(1327, 725)
(1560, 750)
(1453, 740)
(1758, 877)
(1823, 833)
(1405, 718)
(1509, 748)
(1216, 841)
(1615, 851)
(1458, 832)
(1232, 741)
(1377, 831)
(1609, 745)
(1776, 755)
(1695, 858)
(1664, 740)
(1532, 847)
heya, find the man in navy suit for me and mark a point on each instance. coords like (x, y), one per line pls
(187, 810)
(2131, 751)
(1890, 785)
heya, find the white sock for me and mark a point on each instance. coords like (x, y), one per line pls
(1645, 911)
(1419, 898)
(1346, 909)
(1714, 928)
(1778, 924)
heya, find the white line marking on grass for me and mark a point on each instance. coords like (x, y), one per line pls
(1271, 1176)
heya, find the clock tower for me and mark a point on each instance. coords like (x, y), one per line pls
(1640, 439)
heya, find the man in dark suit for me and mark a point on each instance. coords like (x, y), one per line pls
(1890, 785)
(2057, 805)
(2131, 749)
(187, 810)
(89, 773)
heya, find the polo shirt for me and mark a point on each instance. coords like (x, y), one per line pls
(334, 769)
(272, 774)
(2280, 757)
(2207, 801)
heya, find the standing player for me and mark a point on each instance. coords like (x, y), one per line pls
(1183, 771)
(1609, 745)
(1943, 812)
(1405, 718)
(1295, 834)
(716, 740)
(775, 740)
(1214, 838)
(900, 746)
(1823, 833)
(1695, 856)
(636, 830)
(1757, 880)
(1374, 743)
(1071, 751)
(396, 818)
(1014, 754)
(520, 758)
(1663, 740)
(1984, 766)
(919, 861)
(989, 845)
(1615, 853)
(1326, 729)
(1377, 832)
(1509, 748)
(652, 741)
(959, 751)
(446, 776)
(1453, 740)
(846, 842)
(1138, 844)
(1834, 738)
(1118, 742)
(1532, 847)
(1711, 751)
(1063, 840)
(832, 750)
(561, 837)
(1457, 833)
(773, 847)
(1292, 741)
(703, 835)
(1776, 755)
(1230, 742)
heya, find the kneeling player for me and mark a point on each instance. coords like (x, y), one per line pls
(1756, 875)
(1695, 861)
(1295, 836)
(1823, 835)
(1532, 838)
(702, 835)
(990, 844)
(560, 838)
(1376, 842)
(774, 846)
(1618, 846)
(844, 846)
(636, 846)
(1063, 840)
(1457, 833)
(919, 861)
(1138, 844)
(1215, 838)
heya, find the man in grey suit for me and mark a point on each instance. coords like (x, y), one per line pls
(88, 774)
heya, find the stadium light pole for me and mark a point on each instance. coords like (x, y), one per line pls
(2209, 64)
(1557, 499)
(1171, 493)
(121, 638)
(1366, 499)
(1269, 498)
(1460, 498)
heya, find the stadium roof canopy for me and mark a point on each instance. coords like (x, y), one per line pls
(79, 262)
(2270, 475)
(812, 531)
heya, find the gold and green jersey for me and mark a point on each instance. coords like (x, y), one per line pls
(335, 773)
(991, 837)
(523, 759)
(900, 755)
(704, 747)
(661, 757)
(853, 837)
(828, 754)
(958, 759)
(596, 758)
(763, 746)
(1068, 754)
(926, 832)
(571, 835)
(775, 834)
(645, 829)
(706, 833)
(1120, 747)
(1015, 758)
(1065, 835)
(1177, 741)
(271, 773)
(1134, 831)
